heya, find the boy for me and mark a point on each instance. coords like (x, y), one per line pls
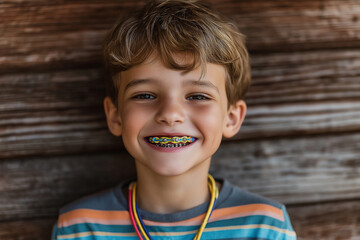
(178, 74)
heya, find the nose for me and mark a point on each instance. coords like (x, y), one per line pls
(171, 112)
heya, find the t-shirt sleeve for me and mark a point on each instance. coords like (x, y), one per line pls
(287, 232)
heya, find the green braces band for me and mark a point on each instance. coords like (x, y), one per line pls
(166, 140)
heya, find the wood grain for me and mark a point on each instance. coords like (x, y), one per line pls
(305, 77)
(299, 143)
(38, 35)
(27, 229)
(291, 95)
(327, 221)
(38, 187)
(290, 170)
(294, 170)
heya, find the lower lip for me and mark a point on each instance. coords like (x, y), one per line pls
(165, 149)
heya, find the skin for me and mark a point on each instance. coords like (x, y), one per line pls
(155, 100)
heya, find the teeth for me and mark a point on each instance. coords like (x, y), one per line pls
(171, 145)
(171, 140)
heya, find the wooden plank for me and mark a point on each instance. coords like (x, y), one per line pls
(30, 229)
(301, 119)
(296, 25)
(38, 35)
(38, 187)
(303, 93)
(327, 221)
(56, 34)
(290, 170)
(327, 75)
(294, 170)
(53, 112)
(291, 95)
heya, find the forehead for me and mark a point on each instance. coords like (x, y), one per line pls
(154, 69)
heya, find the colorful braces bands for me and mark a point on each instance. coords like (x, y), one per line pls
(174, 140)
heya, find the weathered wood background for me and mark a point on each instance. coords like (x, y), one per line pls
(300, 143)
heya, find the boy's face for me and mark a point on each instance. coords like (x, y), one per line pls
(155, 101)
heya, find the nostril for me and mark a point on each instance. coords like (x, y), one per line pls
(170, 113)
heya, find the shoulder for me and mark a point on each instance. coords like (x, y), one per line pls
(108, 199)
(85, 215)
(107, 204)
(265, 216)
(236, 196)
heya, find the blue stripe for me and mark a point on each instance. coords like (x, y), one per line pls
(104, 238)
(246, 233)
(256, 219)
(85, 227)
(222, 234)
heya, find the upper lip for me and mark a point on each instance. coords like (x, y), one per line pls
(167, 134)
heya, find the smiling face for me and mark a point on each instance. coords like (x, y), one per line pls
(170, 121)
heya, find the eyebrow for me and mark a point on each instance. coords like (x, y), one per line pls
(204, 83)
(137, 82)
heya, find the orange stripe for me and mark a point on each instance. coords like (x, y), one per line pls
(224, 212)
(94, 214)
(218, 214)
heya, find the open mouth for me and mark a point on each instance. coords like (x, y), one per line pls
(170, 142)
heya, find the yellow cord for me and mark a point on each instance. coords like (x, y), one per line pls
(214, 194)
(135, 213)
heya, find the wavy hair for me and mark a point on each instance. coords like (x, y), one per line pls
(177, 26)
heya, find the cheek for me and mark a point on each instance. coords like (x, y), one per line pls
(210, 120)
(134, 118)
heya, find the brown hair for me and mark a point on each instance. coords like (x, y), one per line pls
(175, 26)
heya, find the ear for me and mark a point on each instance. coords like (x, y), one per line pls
(235, 117)
(112, 117)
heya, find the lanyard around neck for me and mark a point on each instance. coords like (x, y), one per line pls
(139, 225)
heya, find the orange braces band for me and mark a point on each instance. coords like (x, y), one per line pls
(166, 140)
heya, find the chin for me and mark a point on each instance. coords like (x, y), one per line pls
(177, 169)
(163, 167)
(170, 172)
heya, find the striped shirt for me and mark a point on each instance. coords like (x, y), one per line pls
(237, 215)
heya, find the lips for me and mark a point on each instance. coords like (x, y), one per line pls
(170, 141)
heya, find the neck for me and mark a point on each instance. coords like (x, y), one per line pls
(170, 194)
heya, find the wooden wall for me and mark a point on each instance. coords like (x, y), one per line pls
(300, 143)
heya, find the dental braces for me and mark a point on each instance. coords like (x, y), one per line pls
(171, 140)
(172, 145)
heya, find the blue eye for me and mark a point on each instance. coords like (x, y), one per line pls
(144, 96)
(198, 97)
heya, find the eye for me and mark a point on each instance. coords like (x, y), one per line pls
(199, 97)
(144, 96)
